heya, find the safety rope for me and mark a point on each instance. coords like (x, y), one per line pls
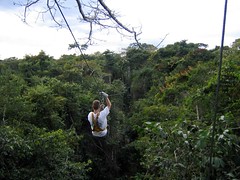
(75, 40)
(217, 95)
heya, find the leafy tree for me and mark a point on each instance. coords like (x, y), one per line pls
(160, 121)
(35, 66)
(29, 152)
(113, 65)
(137, 58)
(141, 82)
(236, 44)
(13, 105)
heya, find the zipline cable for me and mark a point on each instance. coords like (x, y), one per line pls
(75, 40)
(217, 94)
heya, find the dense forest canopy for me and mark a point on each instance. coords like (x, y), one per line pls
(160, 122)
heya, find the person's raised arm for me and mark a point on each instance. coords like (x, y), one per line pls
(108, 102)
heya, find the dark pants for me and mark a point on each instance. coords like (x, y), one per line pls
(105, 149)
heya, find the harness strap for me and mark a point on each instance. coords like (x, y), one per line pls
(96, 127)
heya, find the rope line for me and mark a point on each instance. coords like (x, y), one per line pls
(217, 93)
(75, 40)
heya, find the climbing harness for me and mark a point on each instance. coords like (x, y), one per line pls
(96, 127)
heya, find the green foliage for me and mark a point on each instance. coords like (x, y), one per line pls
(13, 105)
(230, 82)
(47, 107)
(29, 152)
(180, 150)
(160, 121)
(141, 82)
(35, 65)
(137, 58)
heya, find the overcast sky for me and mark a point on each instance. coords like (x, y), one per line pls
(197, 21)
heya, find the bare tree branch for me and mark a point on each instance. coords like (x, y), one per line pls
(94, 12)
(118, 22)
(50, 8)
(27, 6)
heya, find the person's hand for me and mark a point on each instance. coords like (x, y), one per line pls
(102, 106)
(104, 94)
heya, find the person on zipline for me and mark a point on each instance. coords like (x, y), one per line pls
(98, 118)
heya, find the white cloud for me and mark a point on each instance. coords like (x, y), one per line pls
(192, 20)
(18, 39)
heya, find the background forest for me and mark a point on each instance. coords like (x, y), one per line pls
(160, 122)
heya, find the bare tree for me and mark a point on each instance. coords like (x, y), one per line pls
(93, 12)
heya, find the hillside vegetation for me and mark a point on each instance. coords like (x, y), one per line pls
(160, 123)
